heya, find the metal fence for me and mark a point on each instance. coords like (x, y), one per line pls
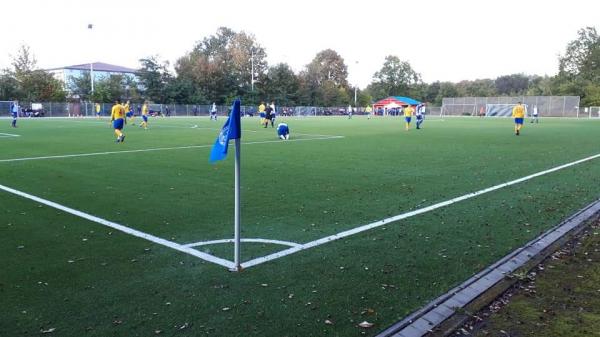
(548, 106)
(553, 106)
(52, 109)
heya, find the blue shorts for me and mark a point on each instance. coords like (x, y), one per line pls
(262, 115)
(518, 120)
(118, 124)
(129, 114)
(145, 118)
(407, 119)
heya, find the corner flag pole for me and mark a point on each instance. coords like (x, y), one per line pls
(232, 130)
(237, 210)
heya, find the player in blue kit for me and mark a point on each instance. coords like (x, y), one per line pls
(283, 131)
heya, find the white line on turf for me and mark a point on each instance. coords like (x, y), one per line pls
(158, 149)
(386, 221)
(6, 135)
(277, 242)
(124, 229)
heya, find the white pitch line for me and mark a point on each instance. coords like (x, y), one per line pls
(124, 229)
(6, 135)
(386, 221)
(277, 242)
(157, 149)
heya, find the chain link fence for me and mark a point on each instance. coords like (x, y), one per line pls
(548, 106)
(84, 109)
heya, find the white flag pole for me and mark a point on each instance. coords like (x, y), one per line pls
(237, 207)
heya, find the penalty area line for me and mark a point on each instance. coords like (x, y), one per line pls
(124, 229)
(386, 221)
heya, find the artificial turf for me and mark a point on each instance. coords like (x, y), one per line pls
(61, 272)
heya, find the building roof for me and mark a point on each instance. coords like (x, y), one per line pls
(399, 100)
(99, 66)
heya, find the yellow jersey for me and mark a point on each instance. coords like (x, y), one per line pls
(261, 108)
(368, 109)
(518, 111)
(145, 109)
(408, 111)
(97, 107)
(126, 108)
(117, 112)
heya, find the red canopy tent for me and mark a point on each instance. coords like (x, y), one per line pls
(394, 102)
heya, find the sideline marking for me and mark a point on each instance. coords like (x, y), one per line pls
(186, 248)
(159, 149)
(124, 229)
(277, 242)
(386, 221)
(7, 135)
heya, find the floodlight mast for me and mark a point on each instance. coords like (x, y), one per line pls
(90, 26)
(355, 91)
(252, 62)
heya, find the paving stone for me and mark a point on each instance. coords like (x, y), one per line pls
(410, 331)
(434, 318)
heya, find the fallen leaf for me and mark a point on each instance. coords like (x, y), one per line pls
(328, 322)
(51, 330)
(365, 324)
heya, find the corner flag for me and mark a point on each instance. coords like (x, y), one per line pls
(231, 130)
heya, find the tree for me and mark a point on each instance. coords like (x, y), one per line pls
(24, 62)
(281, 85)
(582, 57)
(328, 65)
(219, 67)
(81, 86)
(515, 84)
(109, 89)
(395, 78)
(9, 87)
(154, 78)
(29, 83)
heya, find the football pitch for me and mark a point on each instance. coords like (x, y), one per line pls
(350, 220)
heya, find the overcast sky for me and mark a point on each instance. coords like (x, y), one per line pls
(442, 40)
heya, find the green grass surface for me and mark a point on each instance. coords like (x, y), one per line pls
(562, 299)
(60, 271)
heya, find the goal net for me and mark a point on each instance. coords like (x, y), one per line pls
(501, 110)
(458, 110)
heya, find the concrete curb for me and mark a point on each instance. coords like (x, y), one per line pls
(441, 316)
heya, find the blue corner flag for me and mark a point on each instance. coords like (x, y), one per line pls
(231, 130)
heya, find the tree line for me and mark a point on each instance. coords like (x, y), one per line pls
(232, 64)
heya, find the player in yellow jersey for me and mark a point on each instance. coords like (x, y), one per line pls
(518, 113)
(144, 116)
(261, 112)
(97, 107)
(368, 111)
(117, 117)
(129, 112)
(408, 112)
